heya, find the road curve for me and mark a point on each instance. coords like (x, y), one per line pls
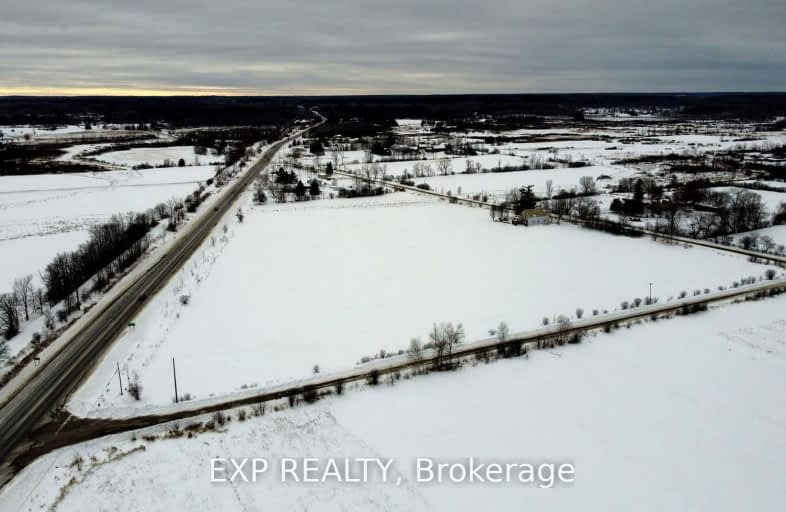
(58, 376)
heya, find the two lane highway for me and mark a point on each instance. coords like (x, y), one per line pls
(57, 377)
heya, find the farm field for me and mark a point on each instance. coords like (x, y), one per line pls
(329, 282)
(42, 206)
(156, 156)
(628, 409)
(496, 185)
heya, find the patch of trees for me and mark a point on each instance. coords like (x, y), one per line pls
(175, 111)
(9, 316)
(379, 147)
(111, 248)
(362, 191)
(627, 206)
(230, 142)
(23, 159)
(779, 216)
(443, 338)
(316, 148)
(621, 228)
(519, 199)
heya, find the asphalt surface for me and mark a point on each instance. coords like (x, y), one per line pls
(37, 400)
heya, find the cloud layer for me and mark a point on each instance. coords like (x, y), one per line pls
(404, 46)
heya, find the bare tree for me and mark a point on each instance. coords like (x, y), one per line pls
(502, 332)
(444, 337)
(9, 315)
(443, 166)
(587, 184)
(173, 205)
(23, 289)
(415, 350)
(549, 189)
(437, 338)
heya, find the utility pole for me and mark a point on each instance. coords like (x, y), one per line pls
(120, 379)
(650, 293)
(174, 374)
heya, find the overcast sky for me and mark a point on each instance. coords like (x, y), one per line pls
(391, 46)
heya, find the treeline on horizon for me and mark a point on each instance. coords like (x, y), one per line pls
(179, 111)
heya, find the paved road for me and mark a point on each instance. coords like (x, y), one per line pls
(83, 429)
(59, 375)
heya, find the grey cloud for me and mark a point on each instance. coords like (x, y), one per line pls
(333, 46)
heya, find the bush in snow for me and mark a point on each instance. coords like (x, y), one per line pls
(502, 332)
(134, 386)
(415, 350)
(770, 274)
(219, 418)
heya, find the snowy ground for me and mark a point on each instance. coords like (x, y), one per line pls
(771, 200)
(328, 282)
(22, 256)
(682, 414)
(776, 233)
(17, 132)
(457, 164)
(157, 156)
(38, 207)
(496, 185)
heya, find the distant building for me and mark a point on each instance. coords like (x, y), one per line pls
(535, 216)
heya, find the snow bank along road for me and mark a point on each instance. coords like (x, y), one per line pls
(57, 377)
(78, 430)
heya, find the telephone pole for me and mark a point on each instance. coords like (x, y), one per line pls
(120, 379)
(174, 375)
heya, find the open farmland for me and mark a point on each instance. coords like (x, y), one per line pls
(481, 279)
(45, 205)
(628, 409)
(156, 156)
(496, 185)
(328, 282)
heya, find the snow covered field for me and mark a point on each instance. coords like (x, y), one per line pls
(497, 184)
(457, 164)
(328, 282)
(157, 156)
(18, 132)
(66, 205)
(22, 256)
(682, 414)
(776, 233)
